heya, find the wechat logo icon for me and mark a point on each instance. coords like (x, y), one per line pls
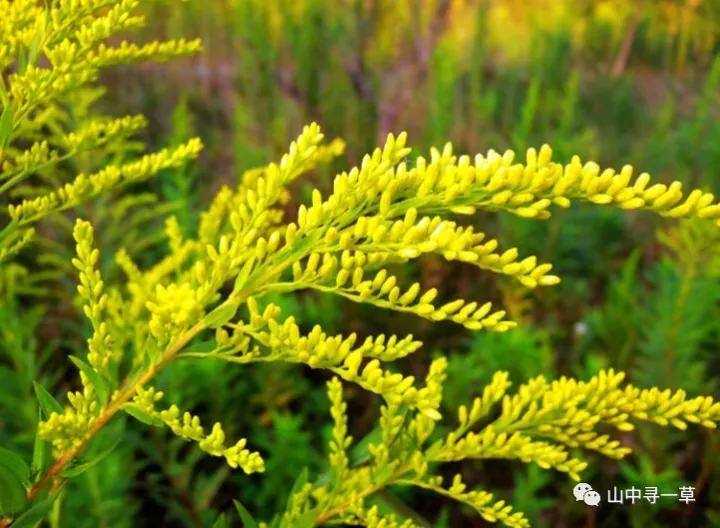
(584, 492)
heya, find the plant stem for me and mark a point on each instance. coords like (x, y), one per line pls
(373, 489)
(127, 391)
(108, 413)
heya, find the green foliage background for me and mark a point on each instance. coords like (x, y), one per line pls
(607, 80)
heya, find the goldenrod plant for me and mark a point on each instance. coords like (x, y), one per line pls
(49, 53)
(201, 301)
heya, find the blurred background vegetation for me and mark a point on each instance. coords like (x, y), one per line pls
(614, 81)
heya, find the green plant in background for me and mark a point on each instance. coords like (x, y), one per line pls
(661, 331)
(492, 352)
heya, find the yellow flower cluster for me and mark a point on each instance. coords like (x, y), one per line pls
(58, 49)
(567, 413)
(481, 406)
(111, 177)
(142, 286)
(409, 238)
(26, 162)
(537, 425)
(372, 518)
(189, 428)
(340, 439)
(481, 501)
(67, 430)
(174, 309)
(567, 410)
(493, 182)
(100, 353)
(11, 244)
(16, 27)
(126, 52)
(489, 444)
(100, 132)
(284, 342)
(70, 35)
(314, 154)
(249, 209)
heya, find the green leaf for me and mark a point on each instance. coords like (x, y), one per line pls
(247, 519)
(153, 353)
(6, 125)
(48, 404)
(244, 274)
(221, 522)
(22, 62)
(307, 519)
(82, 468)
(35, 44)
(144, 417)
(4, 99)
(12, 492)
(10, 228)
(300, 481)
(16, 464)
(201, 348)
(389, 504)
(34, 515)
(301, 248)
(99, 383)
(380, 476)
(40, 453)
(359, 453)
(221, 315)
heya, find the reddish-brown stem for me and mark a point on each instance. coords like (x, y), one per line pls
(127, 392)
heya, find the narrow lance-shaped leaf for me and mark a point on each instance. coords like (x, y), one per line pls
(247, 519)
(99, 383)
(83, 467)
(48, 404)
(35, 514)
(142, 416)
